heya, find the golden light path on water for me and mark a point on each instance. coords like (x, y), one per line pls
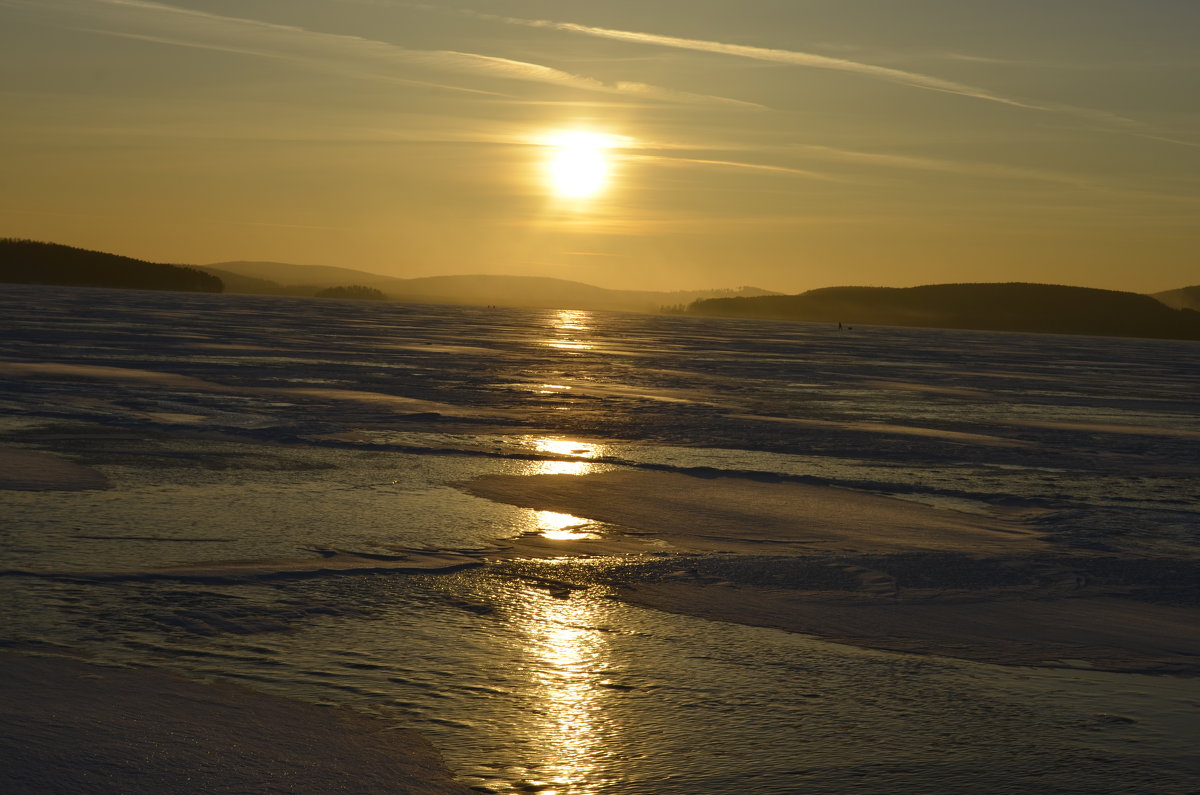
(558, 446)
(567, 658)
(567, 654)
(562, 526)
(551, 524)
(570, 328)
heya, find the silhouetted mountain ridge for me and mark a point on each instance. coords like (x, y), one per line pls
(477, 289)
(1008, 306)
(33, 262)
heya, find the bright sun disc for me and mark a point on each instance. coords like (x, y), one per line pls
(578, 167)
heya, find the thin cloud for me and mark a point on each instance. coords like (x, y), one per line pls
(1165, 139)
(260, 53)
(1076, 182)
(789, 57)
(810, 60)
(337, 53)
(915, 163)
(903, 162)
(288, 226)
(794, 172)
(996, 171)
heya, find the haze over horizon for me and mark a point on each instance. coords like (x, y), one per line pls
(659, 146)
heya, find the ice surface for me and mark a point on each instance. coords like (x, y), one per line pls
(239, 428)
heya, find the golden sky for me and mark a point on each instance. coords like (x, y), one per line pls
(657, 144)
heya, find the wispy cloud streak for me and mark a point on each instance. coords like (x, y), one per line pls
(332, 52)
(790, 57)
(813, 61)
(989, 171)
(670, 160)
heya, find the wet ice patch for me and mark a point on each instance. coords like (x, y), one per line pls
(28, 470)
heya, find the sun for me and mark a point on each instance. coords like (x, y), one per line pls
(578, 167)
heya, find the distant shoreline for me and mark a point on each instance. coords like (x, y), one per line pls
(1001, 306)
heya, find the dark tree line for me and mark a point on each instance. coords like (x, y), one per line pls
(355, 292)
(32, 262)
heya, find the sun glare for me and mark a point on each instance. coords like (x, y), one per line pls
(579, 166)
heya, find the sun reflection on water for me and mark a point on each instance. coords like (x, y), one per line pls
(561, 526)
(568, 657)
(568, 447)
(570, 328)
(560, 468)
(565, 447)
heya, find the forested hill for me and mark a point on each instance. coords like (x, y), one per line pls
(1017, 306)
(31, 262)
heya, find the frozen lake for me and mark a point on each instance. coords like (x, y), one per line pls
(238, 428)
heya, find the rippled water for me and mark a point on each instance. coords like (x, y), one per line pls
(312, 425)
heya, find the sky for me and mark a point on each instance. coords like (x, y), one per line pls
(648, 144)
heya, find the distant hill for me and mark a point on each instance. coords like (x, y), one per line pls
(237, 283)
(543, 292)
(530, 291)
(284, 273)
(1183, 298)
(31, 262)
(1045, 308)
